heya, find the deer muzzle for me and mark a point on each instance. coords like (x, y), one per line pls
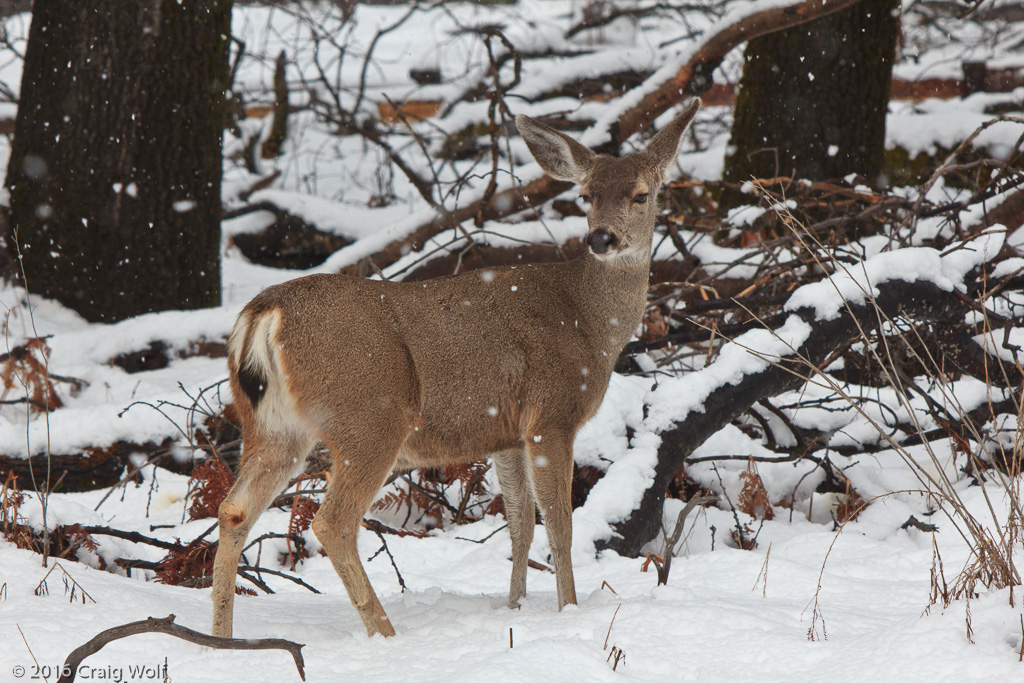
(601, 241)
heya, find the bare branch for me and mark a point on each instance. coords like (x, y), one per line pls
(167, 625)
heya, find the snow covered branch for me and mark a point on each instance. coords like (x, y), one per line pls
(916, 284)
(636, 110)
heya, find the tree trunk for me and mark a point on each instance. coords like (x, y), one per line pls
(116, 162)
(813, 99)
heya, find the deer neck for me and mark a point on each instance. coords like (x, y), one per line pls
(610, 298)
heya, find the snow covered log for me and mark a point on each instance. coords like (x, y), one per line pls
(913, 284)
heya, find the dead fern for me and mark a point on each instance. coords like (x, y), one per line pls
(70, 538)
(190, 565)
(754, 499)
(303, 511)
(428, 494)
(850, 505)
(12, 524)
(496, 506)
(746, 540)
(24, 367)
(391, 501)
(208, 486)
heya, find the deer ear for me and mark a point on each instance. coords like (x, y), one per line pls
(664, 146)
(558, 154)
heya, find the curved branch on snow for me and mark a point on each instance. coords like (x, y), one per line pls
(167, 625)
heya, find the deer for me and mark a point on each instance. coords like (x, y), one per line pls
(505, 363)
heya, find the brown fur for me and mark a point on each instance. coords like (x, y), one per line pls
(507, 363)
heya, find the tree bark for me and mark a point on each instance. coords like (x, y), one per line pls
(116, 162)
(813, 98)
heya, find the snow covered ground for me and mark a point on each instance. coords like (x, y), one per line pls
(808, 603)
(725, 615)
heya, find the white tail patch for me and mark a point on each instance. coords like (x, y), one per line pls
(263, 346)
(236, 342)
(262, 354)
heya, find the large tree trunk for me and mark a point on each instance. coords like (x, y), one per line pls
(116, 161)
(813, 98)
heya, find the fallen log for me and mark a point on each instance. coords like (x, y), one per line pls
(501, 204)
(921, 301)
(94, 468)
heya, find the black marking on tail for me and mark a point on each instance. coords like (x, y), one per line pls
(253, 383)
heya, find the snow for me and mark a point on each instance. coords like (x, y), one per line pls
(718, 619)
(924, 127)
(858, 283)
(726, 614)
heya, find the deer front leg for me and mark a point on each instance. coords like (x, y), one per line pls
(551, 466)
(521, 513)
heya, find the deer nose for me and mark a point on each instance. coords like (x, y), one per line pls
(601, 241)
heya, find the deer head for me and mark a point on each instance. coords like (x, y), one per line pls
(621, 193)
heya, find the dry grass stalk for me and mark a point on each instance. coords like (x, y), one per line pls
(993, 545)
(72, 588)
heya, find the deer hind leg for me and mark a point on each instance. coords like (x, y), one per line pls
(551, 468)
(357, 474)
(521, 513)
(267, 465)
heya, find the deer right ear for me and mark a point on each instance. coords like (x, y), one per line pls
(558, 154)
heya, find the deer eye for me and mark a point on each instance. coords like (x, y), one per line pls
(585, 198)
(640, 198)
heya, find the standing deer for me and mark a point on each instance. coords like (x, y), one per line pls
(507, 363)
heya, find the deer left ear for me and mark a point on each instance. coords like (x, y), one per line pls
(664, 146)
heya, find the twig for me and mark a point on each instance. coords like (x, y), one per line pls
(282, 574)
(608, 635)
(764, 573)
(28, 647)
(670, 543)
(43, 589)
(485, 538)
(384, 548)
